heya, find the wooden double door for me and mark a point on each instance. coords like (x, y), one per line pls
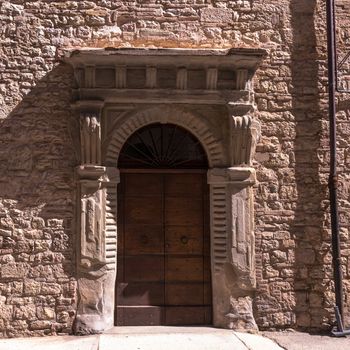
(163, 267)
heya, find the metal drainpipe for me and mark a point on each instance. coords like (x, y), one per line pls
(332, 182)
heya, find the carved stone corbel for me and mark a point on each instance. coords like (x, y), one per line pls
(244, 135)
(233, 243)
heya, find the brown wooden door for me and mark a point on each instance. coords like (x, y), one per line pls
(163, 275)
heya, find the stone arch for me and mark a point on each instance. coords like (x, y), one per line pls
(165, 114)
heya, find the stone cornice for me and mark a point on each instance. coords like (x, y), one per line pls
(234, 57)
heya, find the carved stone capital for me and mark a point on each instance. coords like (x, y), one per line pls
(235, 175)
(244, 134)
(90, 131)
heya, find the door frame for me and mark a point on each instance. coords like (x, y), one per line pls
(231, 215)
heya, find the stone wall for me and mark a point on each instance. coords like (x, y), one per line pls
(37, 199)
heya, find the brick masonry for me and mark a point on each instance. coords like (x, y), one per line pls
(37, 133)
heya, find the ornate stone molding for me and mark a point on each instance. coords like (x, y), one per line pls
(165, 114)
(233, 243)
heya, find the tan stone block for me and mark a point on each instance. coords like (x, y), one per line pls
(216, 15)
(269, 272)
(14, 270)
(278, 256)
(50, 288)
(31, 287)
(63, 317)
(38, 223)
(45, 313)
(25, 312)
(5, 233)
(6, 312)
(287, 273)
(40, 325)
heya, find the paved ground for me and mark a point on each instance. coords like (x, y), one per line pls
(180, 338)
(305, 341)
(148, 338)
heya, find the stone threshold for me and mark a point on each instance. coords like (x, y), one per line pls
(148, 338)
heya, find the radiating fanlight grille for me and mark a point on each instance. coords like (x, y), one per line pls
(162, 146)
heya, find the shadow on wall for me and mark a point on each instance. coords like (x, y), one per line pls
(312, 265)
(36, 211)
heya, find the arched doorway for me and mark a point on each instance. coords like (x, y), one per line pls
(163, 266)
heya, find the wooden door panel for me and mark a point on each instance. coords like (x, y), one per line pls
(206, 269)
(143, 210)
(163, 267)
(183, 269)
(140, 316)
(143, 239)
(187, 211)
(207, 299)
(184, 294)
(140, 294)
(187, 315)
(144, 268)
(182, 239)
(183, 185)
(144, 185)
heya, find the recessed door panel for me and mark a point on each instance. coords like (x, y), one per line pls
(143, 210)
(181, 239)
(140, 293)
(184, 269)
(144, 268)
(183, 210)
(143, 239)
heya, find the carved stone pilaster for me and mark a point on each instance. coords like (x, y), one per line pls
(92, 218)
(233, 242)
(244, 135)
(96, 275)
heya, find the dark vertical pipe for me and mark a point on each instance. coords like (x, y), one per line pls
(332, 183)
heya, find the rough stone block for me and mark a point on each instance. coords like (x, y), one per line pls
(45, 313)
(14, 270)
(25, 312)
(50, 288)
(31, 287)
(216, 15)
(40, 325)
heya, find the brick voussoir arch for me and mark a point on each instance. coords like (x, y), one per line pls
(165, 114)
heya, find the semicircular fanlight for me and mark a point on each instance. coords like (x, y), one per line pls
(162, 146)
